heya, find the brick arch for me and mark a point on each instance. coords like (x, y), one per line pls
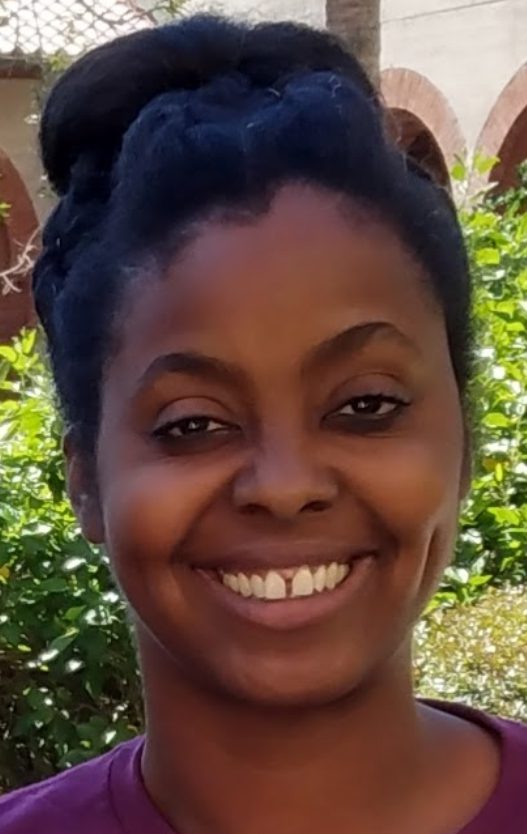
(504, 134)
(16, 308)
(419, 143)
(407, 92)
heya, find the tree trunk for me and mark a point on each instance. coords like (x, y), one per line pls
(357, 22)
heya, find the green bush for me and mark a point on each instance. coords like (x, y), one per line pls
(493, 536)
(69, 687)
(477, 653)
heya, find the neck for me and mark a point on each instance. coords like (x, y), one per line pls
(215, 764)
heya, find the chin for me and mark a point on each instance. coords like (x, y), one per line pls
(286, 682)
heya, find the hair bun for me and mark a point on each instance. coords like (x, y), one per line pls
(92, 105)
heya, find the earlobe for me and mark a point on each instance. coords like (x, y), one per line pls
(90, 518)
(82, 490)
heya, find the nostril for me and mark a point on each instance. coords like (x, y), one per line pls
(316, 506)
(252, 509)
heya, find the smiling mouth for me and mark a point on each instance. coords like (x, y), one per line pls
(284, 598)
(286, 583)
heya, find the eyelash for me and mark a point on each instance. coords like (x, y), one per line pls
(378, 399)
(166, 431)
(365, 422)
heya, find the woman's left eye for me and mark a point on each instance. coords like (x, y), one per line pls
(371, 406)
(367, 413)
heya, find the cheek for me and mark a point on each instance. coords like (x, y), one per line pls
(413, 488)
(422, 486)
(150, 509)
(410, 492)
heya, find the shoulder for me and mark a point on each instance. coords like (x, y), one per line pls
(508, 803)
(514, 738)
(77, 800)
(511, 731)
(513, 734)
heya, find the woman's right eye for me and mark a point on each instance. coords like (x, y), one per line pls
(194, 426)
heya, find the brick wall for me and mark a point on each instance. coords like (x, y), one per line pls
(505, 131)
(16, 308)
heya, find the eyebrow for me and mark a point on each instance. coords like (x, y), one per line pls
(353, 340)
(211, 369)
(208, 368)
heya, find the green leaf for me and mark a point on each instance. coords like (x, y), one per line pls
(458, 171)
(73, 614)
(55, 585)
(11, 633)
(484, 164)
(8, 353)
(488, 256)
(495, 420)
(59, 644)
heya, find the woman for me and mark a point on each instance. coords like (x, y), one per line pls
(258, 318)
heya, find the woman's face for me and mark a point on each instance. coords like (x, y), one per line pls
(281, 415)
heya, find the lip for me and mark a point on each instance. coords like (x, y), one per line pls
(289, 614)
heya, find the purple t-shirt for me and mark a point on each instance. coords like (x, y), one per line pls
(107, 795)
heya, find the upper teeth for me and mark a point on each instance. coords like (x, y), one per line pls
(290, 582)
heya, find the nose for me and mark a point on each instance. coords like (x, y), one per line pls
(284, 480)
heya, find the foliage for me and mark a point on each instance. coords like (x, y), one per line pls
(477, 653)
(69, 687)
(68, 682)
(493, 537)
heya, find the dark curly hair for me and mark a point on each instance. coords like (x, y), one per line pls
(146, 134)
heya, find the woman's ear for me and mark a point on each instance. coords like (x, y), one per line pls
(83, 490)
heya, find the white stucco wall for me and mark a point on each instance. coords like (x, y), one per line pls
(307, 11)
(18, 137)
(470, 49)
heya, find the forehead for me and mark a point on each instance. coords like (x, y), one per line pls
(311, 266)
